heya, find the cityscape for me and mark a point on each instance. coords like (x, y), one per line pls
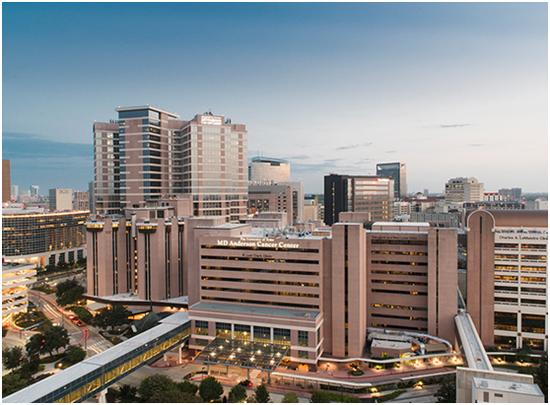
(352, 206)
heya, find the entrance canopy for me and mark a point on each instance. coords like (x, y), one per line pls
(241, 353)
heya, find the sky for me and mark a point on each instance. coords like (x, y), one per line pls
(450, 89)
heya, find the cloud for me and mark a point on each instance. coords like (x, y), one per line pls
(453, 125)
(298, 157)
(30, 146)
(390, 151)
(354, 146)
(476, 144)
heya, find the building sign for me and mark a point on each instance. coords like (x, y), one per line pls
(211, 120)
(521, 236)
(258, 242)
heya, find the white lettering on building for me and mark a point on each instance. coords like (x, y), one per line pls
(211, 120)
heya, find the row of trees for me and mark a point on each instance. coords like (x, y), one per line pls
(162, 389)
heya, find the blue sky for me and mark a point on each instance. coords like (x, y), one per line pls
(451, 89)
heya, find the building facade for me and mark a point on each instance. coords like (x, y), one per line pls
(507, 277)
(463, 189)
(81, 201)
(286, 196)
(61, 199)
(398, 173)
(6, 181)
(43, 238)
(356, 194)
(16, 278)
(315, 292)
(149, 154)
(268, 170)
(511, 194)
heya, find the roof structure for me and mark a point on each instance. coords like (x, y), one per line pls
(242, 353)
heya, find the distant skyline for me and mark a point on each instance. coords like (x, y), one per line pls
(451, 89)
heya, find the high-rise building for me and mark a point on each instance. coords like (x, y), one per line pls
(61, 199)
(148, 154)
(506, 291)
(34, 191)
(398, 173)
(14, 191)
(285, 196)
(6, 181)
(315, 292)
(512, 194)
(32, 236)
(344, 193)
(463, 189)
(91, 196)
(268, 170)
(81, 200)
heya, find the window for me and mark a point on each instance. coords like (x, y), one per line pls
(303, 354)
(303, 338)
(201, 328)
(223, 330)
(242, 332)
(262, 334)
(281, 336)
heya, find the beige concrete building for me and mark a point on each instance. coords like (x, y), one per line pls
(61, 199)
(463, 189)
(316, 290)
(262, 170)
(507, 294)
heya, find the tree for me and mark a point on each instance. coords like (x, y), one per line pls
(113, 316)
(126, 394)
(237, 393)
(173, 396)
(75, 354)
(447, 390)
(188, 387)
(29, 365)
(12, 357)
(210, 389)
(262, 395)
(155, 385)
(53, 338)
(290, 397)
(11, 383)
(320, 397)
(541, 376)
(523, 354)
(69, 292)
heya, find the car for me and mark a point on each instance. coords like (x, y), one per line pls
(75, 320)
(70, 316)
(246, 383)
(80, 323)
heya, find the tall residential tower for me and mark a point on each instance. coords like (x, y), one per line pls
(398, 173)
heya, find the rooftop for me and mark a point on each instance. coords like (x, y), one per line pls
(249, 309)
(507, 386)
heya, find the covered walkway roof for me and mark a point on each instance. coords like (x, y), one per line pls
(241, 353)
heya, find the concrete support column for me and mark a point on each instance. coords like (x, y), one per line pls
(101, 397)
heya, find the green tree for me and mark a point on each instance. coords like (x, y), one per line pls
(187, 386)
(53, 339)
(74, 354)
(126, 394)
(12, 357)
(210, 389)
(523, 354)
(71, 296)
(29, 365)
(447, 390)
(155, 385)
(541, 376)
(66, 286)
(147, 322)
(237, 393)
(113, 316)
(173, 396)
(11, 383)
(320, 397)
(290, 397)
(84, 315)
(261, 394)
